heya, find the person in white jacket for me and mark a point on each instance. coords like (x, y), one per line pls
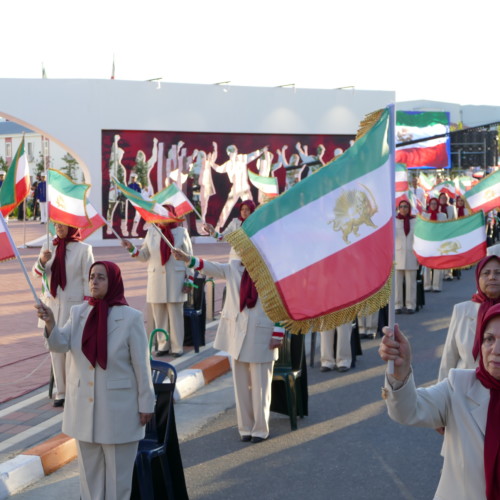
(466, 403)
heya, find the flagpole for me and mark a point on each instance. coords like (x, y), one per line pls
(163, 236)
(46, 193)
(23, 267)
(392, 141)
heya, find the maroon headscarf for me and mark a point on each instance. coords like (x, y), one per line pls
(251, 206)
(492, 434)
(406, 218)
(166, 229)
(58, 268)
(95, 331)
(248, 292)
(486, 303)
(433, 212)
(460, 210)
(443, 207)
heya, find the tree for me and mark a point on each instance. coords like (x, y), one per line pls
(71, 167)
(3, 165)
(39, 166)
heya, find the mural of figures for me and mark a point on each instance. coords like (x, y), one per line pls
(193, 161)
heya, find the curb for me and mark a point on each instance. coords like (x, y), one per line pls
(45, 458)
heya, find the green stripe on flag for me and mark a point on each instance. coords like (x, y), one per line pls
(424, 119)
(486, 183)
(63, 184)
(367, 154)
(165, 194)
(440, 231)
(8, 189)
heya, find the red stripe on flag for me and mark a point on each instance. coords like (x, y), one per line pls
(22, 189)
(342, 279)
(96, 222)
(184, 208)
(488, 206)
(453, 261)
(62, 217)
(435, 156)
(6, 250)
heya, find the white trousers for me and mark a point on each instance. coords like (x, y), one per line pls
(170, 317)
(433, 279)
(410, 278)
(59, 371)
(106, 470)
(43, 211)
(344, 355)
(252, 390)
(368, 324)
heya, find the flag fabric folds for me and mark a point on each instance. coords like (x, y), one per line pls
(150, 210)
(450, 244)
(96, 222)
(401, 183)
(16, 184)
(172, 195)
(7, 251)
(485, 195)
(431, 153)
(311, 251)
(67, 200)
(267, 185)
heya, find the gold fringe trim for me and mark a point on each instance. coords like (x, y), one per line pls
(368, 122)
(273, 305)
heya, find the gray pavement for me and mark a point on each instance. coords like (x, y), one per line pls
(347, 448)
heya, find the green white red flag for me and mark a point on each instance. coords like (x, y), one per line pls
(267, 185)
(311, 250)
(426, 181)
(485, 195)
(429, 153)
(7, 250)
(16, 184)
(149, 209)
(401, 183)
(450, 244)
(96, 222)
(66, 200)
(172, 195)
(447, 187)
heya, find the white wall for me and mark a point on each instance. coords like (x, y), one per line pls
(72, 113)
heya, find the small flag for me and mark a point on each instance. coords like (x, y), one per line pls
(96, 222)
(485, 195)
(401, 183)
(426, 181)
(7, 252)
(67, 200)
(450, 244)
(329, 228)
(172, 195)
(448, 187)
(150, 210)
(267, 185)
(16, 184)
(415, 202)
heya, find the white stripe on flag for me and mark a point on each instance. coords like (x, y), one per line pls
(426, 248)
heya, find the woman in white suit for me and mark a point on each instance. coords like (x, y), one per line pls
(250, 338)
(64, 266)
(467, 404)
(406, 262)
(457, 352)
(168, 282)
(110, 393)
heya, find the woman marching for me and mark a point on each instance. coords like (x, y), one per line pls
(110, 395)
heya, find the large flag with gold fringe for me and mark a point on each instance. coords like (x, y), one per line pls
(323, 251)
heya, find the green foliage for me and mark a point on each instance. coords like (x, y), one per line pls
(141, 169)
(3, 165)
(71, 167)
(39, 166)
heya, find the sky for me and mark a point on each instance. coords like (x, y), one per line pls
(438, 50)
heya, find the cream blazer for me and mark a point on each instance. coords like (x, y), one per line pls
(102, 406)
(245, 335)
(457, 352)
(165, 283)
(78, 260)
(404, 256)
(459, 403)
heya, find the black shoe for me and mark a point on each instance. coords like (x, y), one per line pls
(58, 403)
(256, 439)
(342, 369)
(161, 353)
(245, 439)
(177, 354)
(398, 311)
(325, 369)
(410, 311)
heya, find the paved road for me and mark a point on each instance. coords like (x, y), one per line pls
(347, 448)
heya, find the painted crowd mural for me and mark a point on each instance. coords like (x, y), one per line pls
(210, 168)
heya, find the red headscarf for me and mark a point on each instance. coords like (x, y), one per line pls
(166, 229)
(486, 303)
(460, 210)
(251, 206)
(492, 434)
(406, 218)
(58, 268)
(95, 331)
(248, 292)
(433, 213)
